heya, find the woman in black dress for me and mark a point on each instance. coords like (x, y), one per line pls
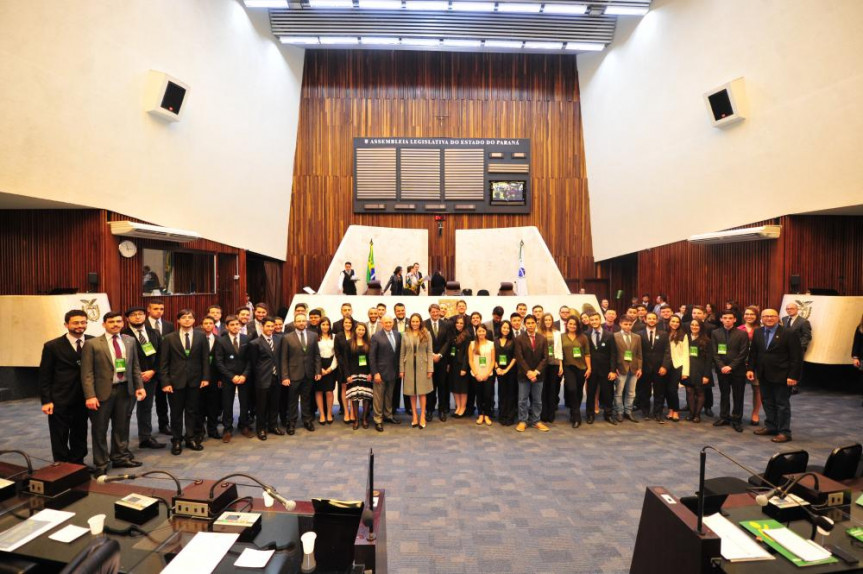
(329, 368)
(358, 384)
(458, 382)
(507, 387)
(341, 343)
(700, 364)
(396, 283)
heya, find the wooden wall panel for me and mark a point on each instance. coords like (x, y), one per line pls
(349, 94)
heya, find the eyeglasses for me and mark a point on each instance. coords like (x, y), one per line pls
(769, 316)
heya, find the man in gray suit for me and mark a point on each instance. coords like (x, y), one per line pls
(111, 376)
(384, 353)
(301, 366)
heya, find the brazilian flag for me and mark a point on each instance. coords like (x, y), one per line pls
(370, 271)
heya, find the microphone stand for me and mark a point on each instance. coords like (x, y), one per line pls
(271, 491)
(22, 453)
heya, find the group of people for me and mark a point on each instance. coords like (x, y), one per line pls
(510, 369)
(400, 283)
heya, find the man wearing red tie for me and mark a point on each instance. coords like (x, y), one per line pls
(531, 354)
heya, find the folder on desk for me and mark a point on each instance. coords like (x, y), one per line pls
(737, 546)
(783, 542)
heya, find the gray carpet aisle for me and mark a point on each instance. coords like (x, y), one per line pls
(463, 498)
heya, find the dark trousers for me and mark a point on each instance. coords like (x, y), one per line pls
(242, 392)
(208, 410)
(672, 397)
(68, 430)
(299, 390)
(471, 394)
(507, 396)
(184, 410)
(439, 397)
(550, 393)
(573, 381)
(144, 411)
(777, 406)
(113, 410)
(485, 396)
(650, 383)
(162, 414)
(708, 397)
(731, 387)
(267, 405)
(606, 392)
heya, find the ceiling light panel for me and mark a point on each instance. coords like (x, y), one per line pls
(430, 42)
(266, 3)
(473, 6)
(459, 43)
(543, 45)
(564, 9)
(381, 4)
(519, 7)
(428, 5)
(298, 39)
(376, 41)
(507, 44)
(626, 11)
(331, 4)
(585, 46)
(340, 40)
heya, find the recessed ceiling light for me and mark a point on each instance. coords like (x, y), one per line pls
(429, 5)
(381, 4)
(543, 45)
(585, 46)
(459, 43)
(508, 44)
(339, 40)
(575, 9)
(626, 11)
(331, 3)
(266, 3)
(420, 42)
(372, 41)
(473, 6)
(298, 39)
(522, 7)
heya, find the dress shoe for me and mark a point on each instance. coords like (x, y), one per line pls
(762, 431)
(226, 437)
(442, 417)
(215, 434)
(781, 438)
(540, 426)
(262, 435)
(721, 423)
(590, 419)
(393, 421)
(194, 445)
(247, 432)
(379, 427)
(151, 443)
(276, 430)
(696, 419)
(631, 418)
(576, 424)
(737, 426)
(521, 427)
(165, 430)
(709, 413)
(619, 418)
(310, 426)
(794, 391)
(176, 447)
(365, 424)
(610, 419)
(131, 463)
(658, 418)
(356, 424)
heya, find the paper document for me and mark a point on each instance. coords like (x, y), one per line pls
(737, 546)
(69, 533)
(254, 558)
(26, 531)
(806, 550)
(202, 554)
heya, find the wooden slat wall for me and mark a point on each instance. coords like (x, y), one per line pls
(349, 94)
(826, 251)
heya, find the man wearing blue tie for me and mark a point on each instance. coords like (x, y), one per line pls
(385, 349)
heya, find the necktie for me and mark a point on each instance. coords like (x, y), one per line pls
(141, 337)
(651, 339)
(626, 337)
(434, 328)
(188, 343)
(532, 342)
(270, 343)
(159, 325)
(596, 338)
(237, 344)
(303, 339)
(392, 340)
(118, 353)
(78, 347)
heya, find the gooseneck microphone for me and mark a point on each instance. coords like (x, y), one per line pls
(269, 490)
(118, 477)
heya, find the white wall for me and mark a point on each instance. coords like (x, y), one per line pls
(484, 258)
(73, 128)
(650, 148)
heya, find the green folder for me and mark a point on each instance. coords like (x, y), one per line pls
(757, 527)
(856, 532)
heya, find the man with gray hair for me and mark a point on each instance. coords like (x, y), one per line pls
(384, 352)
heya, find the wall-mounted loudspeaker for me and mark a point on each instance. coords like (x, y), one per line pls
(794, 284)
(726, 103)
(165, 96)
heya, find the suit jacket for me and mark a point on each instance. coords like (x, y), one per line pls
(150, 363)
(803, 329)
(229, 362)
(296, 363)
(782, 360)
(440, 344)
(383, 360)
(180, 371)
(603, 357)
(737, 348)
(656, 355)
(60, 374)
(378, 327)
(262, 361)
(167, 326)
(635, 345)
(339, 327)
(528, 359)
(396, 324)
(97, 368)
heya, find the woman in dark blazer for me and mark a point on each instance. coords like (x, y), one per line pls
(342, 340)
(458, 381)
(507, 387)
(700, 369)
(396, 283)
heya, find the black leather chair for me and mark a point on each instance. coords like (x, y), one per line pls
(482, 293)
(374, 288)
(842, 463)
(780, 464)
(452, 288)
(506, 289)
(14, 565)
(102, 556)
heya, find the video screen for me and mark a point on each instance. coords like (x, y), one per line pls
(508, 192)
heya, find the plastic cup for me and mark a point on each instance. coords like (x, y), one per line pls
(308, 540)
(97, 524)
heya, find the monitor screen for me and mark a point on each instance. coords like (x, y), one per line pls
(508, 192)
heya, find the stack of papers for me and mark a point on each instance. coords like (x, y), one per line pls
(736, 545)
(41, 522)
(806, 550)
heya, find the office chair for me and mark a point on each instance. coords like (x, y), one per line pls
(374, 288)
(842, 463)
(482, 293)
(506, 289)
(452, 288)
(780, 464)
(102, 556)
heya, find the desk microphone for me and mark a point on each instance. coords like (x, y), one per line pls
(268, 490)
(22, 453)
(822, 523)
(118, 477)
(288, 504)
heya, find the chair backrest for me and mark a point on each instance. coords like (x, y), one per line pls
(506, 289)
(374, 288)
(843, 461)
(453, 288)
(482, 293)
(102, 556)
(785, 463)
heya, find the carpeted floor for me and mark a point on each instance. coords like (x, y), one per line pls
(469, 499)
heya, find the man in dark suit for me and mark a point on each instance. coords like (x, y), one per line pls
(184, 369)
(256, 325)
(147, 343)
(517, 322)
(776, 356)
(493, 326)
(234, 372)
(603, 362)
(301, 367)
(384, 353)
(400, 324)
(531, 355)
(564, 312)
(440, 335)
(155, 312)
(210, 398)
(801, 326)
(610, 326)
(61, 392)
(339, 326)
(730, 347)
(656, 362)
(215, 311)
(111, 379)
(699, 313)
(263, 356)
(298, 308)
